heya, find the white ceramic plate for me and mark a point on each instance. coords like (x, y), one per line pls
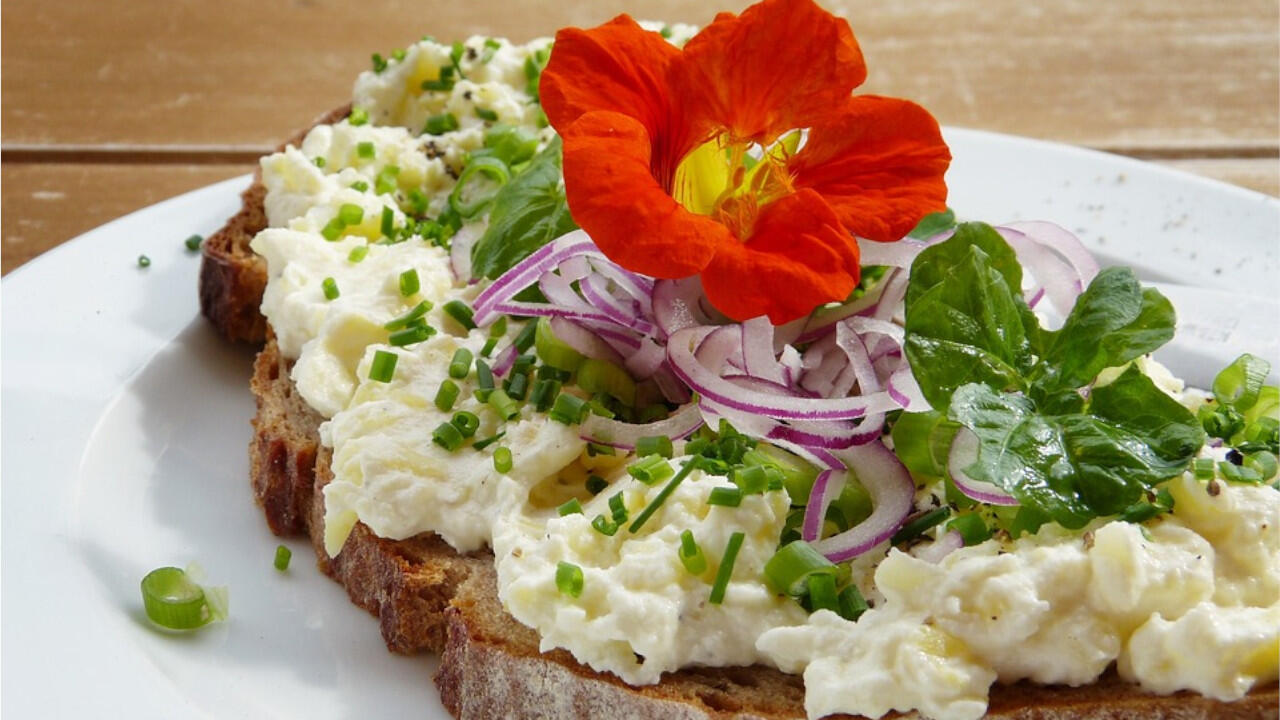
(126, 422)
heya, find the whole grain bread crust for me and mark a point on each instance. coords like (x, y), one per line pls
(428, 597)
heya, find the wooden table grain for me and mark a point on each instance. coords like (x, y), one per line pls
(110, 106)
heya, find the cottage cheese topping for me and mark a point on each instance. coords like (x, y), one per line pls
(641, 612)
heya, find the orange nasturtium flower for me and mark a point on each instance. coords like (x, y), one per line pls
(689, 162)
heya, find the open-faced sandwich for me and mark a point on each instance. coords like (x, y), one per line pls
(646, 374)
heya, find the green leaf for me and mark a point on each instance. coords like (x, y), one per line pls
(934, 223)
(967, 327)
(1114, 321)
(528, 212)
(940, 262)
(1074, 467)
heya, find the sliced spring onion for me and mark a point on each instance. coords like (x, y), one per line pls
(1203, 468)
(663, 494)
(359, 186)
(602, 376)
(596, 484)
(544, 394)
(656, 445)
(383, 367)
(691, 556)
(525, 338)
(725, 572)
(486, 114)
(489, 345)
(594, 449)
(441, 124)
(466, 422)
(359, 116)
(551, 349)
(618, 508)
(788, 571)
(1240, 383)
(725, 497)
(365, 150)
(448, 436)
(283, 556)
(605, 526)
(350, 214)
(460, 365)
(569, 579)
(330, 288)
(386, 183)
(462, 314)
(388, 224)
(568, 409)
(822, 592)
(173, 600)
(482, 444)
(501, 402)
(447, 395)
(502, 460)
(411, 335)
(358, 253)
(648, 470)
(851, 603)
(917, 526)
(756, 479)
(499, 327)
(512, 145)
(409, 318)
(571, 507)
(517, 386)
(466, 199)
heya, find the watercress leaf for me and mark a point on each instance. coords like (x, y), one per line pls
(1114, 321)
(939, 262)
(934, 223)
(1240, 383)
(528, 212)
(1134, 404)
(966, 328)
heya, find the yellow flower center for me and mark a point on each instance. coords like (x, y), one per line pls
(728, 182)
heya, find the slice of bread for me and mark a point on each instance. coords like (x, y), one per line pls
(428, 597)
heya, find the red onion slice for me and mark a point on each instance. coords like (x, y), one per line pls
(892, 493)
(677, 304)
(826, 488)
(460, 250)
(946, 544)
(894, 254)
(584, 341)
(528, 271)
(964, 452)
(679, 425)
(1062, 242)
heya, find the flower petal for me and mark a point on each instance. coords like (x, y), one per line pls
(782, 64)
(799, 257)
(879, 163)
(630, 216)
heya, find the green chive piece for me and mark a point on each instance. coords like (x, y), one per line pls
(518, 386)
(460, 365)
(822, 593)
(447, 395)
(484, 375)
(388, 224)
(333, 230)
(350, 214)
(594, 449)
(602, 376)
(617, 508)
(411, 335)
(502, 404)
(385, 182)
(462, 314)
(659, 445)
(486, 114)
(144, 261)
(383, 367)
(379, 63)
(788, 571)
(283, 556)
(489, 345)
(726, 568)
(569, 579)
(318, 162)
(851, 603)
(365, 150)
(524, 340)
(490, 49)
(409, 283)
(663, 494)
(651, 469)
(418, 202)
(359, 116)
(725, 497)
(544, 394)
(193, 242)
(523, 363)
(409, 318)
(357, 253)
(359, 186)
(1203, 468)
(605, 526)
(596, 484)
(755, 479)
(572, 507)
(554, 351)
(502, 462)
(971, 527)
(466, 422)
(482, 444)
(568, 409)
(499, 327)
(330, 288)
(441, 124)
(173, 600)
(448, 436)
(917, 526)
(691, 556)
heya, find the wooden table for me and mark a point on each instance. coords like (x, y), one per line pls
(110, 106)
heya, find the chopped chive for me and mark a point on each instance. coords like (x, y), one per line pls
(524, 340)
(350, 214)
(491, 47)
(569, 579)
(725, 497)
(357, 253)
(448, 436)
(379, 63)
(388, 225)
(546, 372)
(144, 261)
(409, 283)
(333, 229)
(359, 116)
(418, 202)
(502, 404)
(917, 526)
(499, 327)
(822, 592)
(330, 287)
(523, 363)
(971, 527)
(666, 32)
(596, 484)
(617, 508)
(544, 394)
(594, 449)
(691, 556)
(518, 386)
(466, 422)
(359, 186)
(409, 318)
(604, 526)
(447, 395)
(193, 242)
(851, 603)
(383, 367)
(318, 162)
(755, 479)
(726, 568)
(459, 311)
(460, 365)
(365, 150)
(486, 114)
(1203, 468)
(568, 409)
(283, 556)
(572, 507)
(663, 494)
(484, 375)
(502, 462)
(385, 182)
(482, 444)
(788, 570)
(648, 470)
(411, 335)
(441, 124)
(489, 345)
(659, 445)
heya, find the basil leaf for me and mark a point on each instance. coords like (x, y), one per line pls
(1114, 321)
(968, 326)
(1078, 466)
(528, 212)
(933, 223)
